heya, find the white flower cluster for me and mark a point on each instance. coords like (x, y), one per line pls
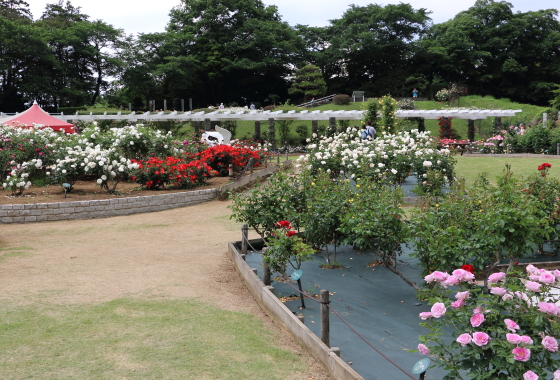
(388, 156)
(18, 179)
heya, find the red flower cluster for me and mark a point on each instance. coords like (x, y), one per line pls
(220, 156)
(285, 224)
(468, 268)
(179, 172)
(544, 166)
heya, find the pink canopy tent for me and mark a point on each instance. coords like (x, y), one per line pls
(36, 115)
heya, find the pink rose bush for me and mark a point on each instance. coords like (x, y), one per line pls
(507, 331)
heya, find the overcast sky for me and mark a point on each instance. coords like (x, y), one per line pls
(152, 16)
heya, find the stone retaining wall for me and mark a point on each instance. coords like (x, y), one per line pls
(42, 212)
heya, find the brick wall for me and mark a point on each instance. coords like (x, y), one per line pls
(41, 212)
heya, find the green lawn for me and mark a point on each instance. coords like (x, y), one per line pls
(469, 167)
(137, 339)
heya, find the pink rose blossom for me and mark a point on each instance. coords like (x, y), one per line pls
(521, 354)
(464, 339)
(440, 276)
(550, 343)
(556, 274)
(513, 338)
(462, 295)
(530, 375)
(533, 286)
(477, 319)
(477, 310)
(531, 269)
(495, 277)
(450, 281)
(498, 291)
(548, 308)
(429, 278)
(423, 349)
(526, 340)
(547, 278)
(463, 275)
(534, 277)
(425, 315)
(511, 325)
(457, 304)
(480, 338)
(556, 374)
(507, 297)
(438, 310)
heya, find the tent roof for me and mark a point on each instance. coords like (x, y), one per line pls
(36, 115)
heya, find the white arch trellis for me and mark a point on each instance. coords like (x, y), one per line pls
(290, 115)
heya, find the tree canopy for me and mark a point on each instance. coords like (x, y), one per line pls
(241, 51)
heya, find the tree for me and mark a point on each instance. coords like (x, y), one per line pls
(498, 52)
(377, 44)
(309, 82)
(242, 49)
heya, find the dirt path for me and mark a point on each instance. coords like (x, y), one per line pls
(172, 254)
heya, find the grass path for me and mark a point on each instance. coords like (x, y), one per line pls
(148, 296)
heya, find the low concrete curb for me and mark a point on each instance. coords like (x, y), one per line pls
(274, 308)
(43, 212)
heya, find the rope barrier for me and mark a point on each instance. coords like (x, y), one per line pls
(351, 328)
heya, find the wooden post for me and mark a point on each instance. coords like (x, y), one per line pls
(244, 241)
(266, 269)
(271, 133)
(470, 132)
(278, 158)
(421, 125)
(558, 149)
(325, 317)
(332, 123)
(315, 127)
(231, 170)
(207, 124)
(508, 148)
(257, 130)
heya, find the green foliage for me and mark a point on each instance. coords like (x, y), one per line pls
(326, 203)
(372, 108)
(374, 220)
(342, 99)
(264, 205)
(285, 247)
(502, 221)
(309, 82)
(388, 108)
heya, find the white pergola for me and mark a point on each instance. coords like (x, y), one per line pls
(254, 115)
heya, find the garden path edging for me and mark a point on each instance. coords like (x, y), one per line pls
(43, 212)
(275, 309)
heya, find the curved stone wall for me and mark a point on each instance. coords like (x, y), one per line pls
(42, 212)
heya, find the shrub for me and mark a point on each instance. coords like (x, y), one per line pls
(269, 108)
(342, 100)
(179, 172)
(220, 156)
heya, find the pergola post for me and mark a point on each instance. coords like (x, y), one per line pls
(470, 131)
(421, 125)
(315, 127)
(257, 130)
(497, 123)
(207, 124)
(271, 133)
(332, 124)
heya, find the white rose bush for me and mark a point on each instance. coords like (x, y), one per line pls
(509, 331)
(389, 158)
(140, 153)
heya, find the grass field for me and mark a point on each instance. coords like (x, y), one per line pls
(137, 339)
(470, 167)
